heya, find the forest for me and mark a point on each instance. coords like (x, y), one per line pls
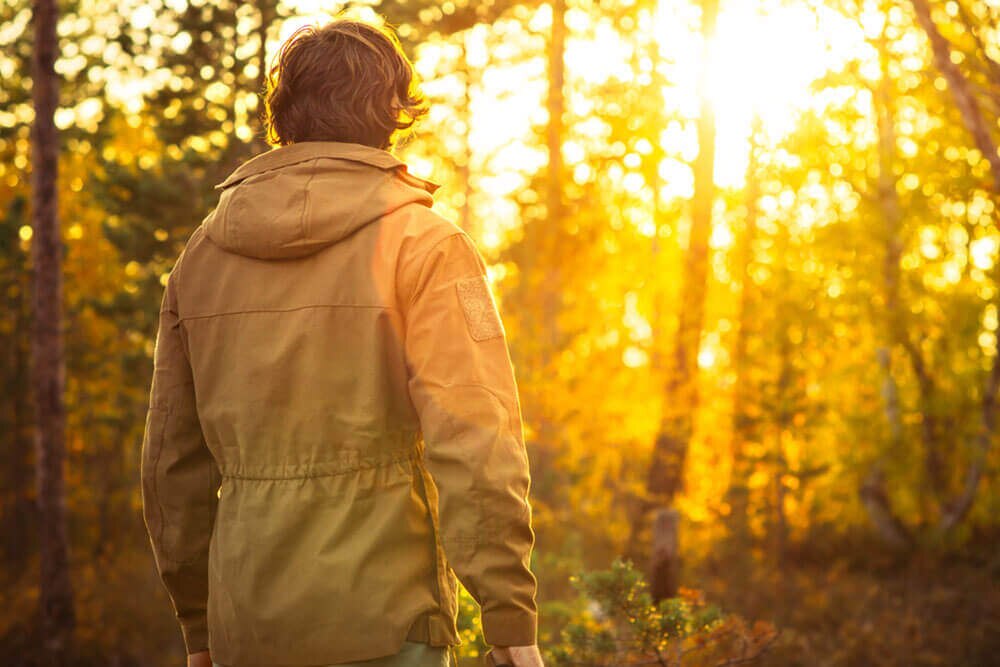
(746, 252)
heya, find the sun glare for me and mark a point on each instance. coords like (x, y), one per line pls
(763, 58)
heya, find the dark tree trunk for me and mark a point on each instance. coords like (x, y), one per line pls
(670, 448)
(639, 504)
(48, 366)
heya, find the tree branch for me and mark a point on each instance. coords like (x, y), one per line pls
(961, 91)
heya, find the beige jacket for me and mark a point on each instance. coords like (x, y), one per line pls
(334, 430)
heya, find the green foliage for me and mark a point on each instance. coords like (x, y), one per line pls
(470, 627)
(620, 624)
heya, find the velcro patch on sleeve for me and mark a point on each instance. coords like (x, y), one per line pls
(480, 310)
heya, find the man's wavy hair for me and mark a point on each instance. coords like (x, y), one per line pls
(344, 81)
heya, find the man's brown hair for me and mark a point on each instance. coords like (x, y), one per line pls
(344, 81)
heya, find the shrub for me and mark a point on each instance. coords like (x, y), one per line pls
(620, 625)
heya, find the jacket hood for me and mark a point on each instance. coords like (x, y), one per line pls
(297, 199)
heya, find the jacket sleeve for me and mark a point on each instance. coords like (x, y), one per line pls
(462, 384)
(179, 479)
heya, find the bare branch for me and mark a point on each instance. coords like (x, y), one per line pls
(961, 91)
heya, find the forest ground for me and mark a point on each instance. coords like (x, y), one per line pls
(851, 605)
(865, 607)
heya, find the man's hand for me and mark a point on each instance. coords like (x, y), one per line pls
(518, 656)
(201, 659)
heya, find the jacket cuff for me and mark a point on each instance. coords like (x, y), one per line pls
(510, 627)
(195, 631)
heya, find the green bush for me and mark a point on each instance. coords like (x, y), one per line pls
(620, 625)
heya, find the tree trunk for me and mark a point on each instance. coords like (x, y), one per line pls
(267, 9)
(991, 67)
(547, 236)
(465, 166)
(670, 449)
(978, 125)
(556, 104)
(872, 492)
(48, 366)
(956, 511)
(665, 556)
(785, 415)
(738, 491)
(554, 186)
(876, 502)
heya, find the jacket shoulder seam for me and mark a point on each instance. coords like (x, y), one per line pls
(175, 273)
(425, 259)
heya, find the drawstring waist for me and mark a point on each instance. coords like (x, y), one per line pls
(347, 461)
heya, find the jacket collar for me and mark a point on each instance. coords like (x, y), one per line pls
(310, 150)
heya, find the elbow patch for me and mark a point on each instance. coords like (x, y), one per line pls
(480, 311)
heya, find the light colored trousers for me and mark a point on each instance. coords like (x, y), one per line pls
(413, 654)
